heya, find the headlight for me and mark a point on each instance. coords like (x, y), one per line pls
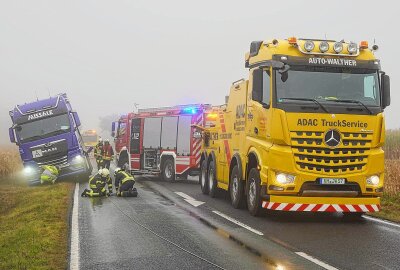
(309, 46)
(338, 47)
(284, 178)
(28, 170)
(352, 48)
(373, 180)
(78, 160)
(324, 46)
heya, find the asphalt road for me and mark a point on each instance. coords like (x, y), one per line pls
(340, 243)
(151, 232)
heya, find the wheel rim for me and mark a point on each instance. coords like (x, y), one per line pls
(168, 171)
(252, 192)
(203, 177)
(211, 179)
(235, 187)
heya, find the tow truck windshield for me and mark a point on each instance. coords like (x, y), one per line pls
(355, 87)
(43, 128)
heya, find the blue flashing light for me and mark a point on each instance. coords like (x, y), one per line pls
(191, 110)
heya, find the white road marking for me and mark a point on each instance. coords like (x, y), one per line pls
(237, 222)
(74, 259)
(316, 261)
(381, 221)
(189, 199)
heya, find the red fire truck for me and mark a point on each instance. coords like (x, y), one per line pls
(160, 140)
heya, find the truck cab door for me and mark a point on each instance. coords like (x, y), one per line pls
(259, 100)
(136, 141)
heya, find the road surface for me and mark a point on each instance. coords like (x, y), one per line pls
(175, 226)
(340, 243)
(150, 232)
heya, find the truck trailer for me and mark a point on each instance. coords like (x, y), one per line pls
(304, 132)
(47, 133)
(160, 141)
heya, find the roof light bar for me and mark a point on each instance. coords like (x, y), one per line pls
(324, 46)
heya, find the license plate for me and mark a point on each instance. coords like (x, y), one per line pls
(332, 181)
(37, 153)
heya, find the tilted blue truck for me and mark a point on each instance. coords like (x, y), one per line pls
(47, 133)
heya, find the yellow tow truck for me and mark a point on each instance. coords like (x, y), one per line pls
(304, 132)
(90, 138)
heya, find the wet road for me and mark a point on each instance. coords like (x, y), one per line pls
(340, 243)
(150, 232)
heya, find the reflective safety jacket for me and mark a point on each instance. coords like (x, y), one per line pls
(108, 152)
(97, 182)
(49, 174)
(121, 177)
(98, 151)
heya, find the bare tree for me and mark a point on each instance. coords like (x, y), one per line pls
(106, 121)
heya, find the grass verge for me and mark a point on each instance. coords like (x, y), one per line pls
(34, 226)
(390, 208)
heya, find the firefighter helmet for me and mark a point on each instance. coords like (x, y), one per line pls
(104, 172)
(117, 170)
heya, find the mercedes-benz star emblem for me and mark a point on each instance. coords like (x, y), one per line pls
(332, 138)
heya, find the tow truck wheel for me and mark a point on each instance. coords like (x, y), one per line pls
(203, 177)
(253, 192)
(236, 188)
(212, 181)
(168, 172)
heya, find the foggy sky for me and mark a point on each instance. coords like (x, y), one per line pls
(108, 55)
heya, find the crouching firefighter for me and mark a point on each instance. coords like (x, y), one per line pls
(98, 185)
(124, 184)
(48, 174)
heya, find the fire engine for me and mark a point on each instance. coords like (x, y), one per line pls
(304, 132)
(160, 140)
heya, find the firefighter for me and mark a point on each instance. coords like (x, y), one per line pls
(98, 185)
(124, 183)
(49, 174)
(108, 154)
(98, 154)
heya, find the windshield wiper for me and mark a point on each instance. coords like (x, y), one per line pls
(310, 99)
(33, 138)
(354, 102)
(55, 132)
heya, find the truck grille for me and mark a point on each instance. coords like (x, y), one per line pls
(312, 155)
(56, 160)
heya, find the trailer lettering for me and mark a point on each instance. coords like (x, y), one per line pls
(332, 61)
(240, 111)
(307, 122)
(40, 115)
(344, 123)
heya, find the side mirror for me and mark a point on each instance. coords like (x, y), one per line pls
(385, 87)
(76, 118)
(257, 89)
(12, 135)
(113, 127)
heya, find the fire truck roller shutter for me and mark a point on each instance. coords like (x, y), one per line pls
(236, 183)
